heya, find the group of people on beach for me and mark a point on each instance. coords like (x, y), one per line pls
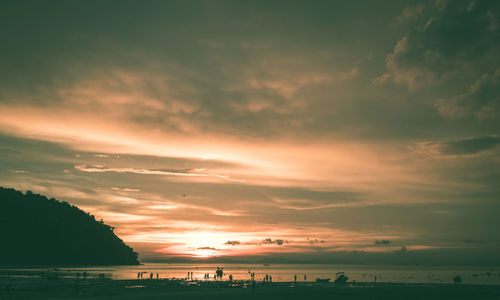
(140, 275)
(219, 274)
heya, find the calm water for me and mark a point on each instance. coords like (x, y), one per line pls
(286, 272)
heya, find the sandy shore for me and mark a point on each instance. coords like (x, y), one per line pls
(40, 288)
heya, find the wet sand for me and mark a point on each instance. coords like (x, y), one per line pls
(40, 288)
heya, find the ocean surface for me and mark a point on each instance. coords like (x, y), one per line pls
(281, 272)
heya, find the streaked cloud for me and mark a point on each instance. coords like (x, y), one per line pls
(460, 146)
(101, 169)
(481, 100)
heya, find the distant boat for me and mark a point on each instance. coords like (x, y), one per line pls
(322, 280)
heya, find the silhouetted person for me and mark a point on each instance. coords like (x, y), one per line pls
(231, 277)
(267, 278)
(138, 275)
(219, 273)
(295, 278)
(305, 277)
(270, 278)
(151, 276)
(157, 276)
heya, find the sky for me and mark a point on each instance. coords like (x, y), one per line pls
(270, 129)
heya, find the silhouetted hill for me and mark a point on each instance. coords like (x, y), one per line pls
(35, 230)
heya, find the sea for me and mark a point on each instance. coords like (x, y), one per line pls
(278, 272)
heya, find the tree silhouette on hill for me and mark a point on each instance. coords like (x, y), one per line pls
(35, 230)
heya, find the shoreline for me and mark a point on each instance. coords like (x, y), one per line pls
(65, 288)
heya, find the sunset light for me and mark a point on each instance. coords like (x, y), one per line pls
(294, 137)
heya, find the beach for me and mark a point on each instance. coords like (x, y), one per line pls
(41, 288)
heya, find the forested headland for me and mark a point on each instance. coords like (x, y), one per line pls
(35, 231)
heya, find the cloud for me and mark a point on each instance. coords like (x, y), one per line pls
(470, 145)
(103, 169)
(481, 100)
(315, 241)
(270, 241)
(169, 172)
(232, 243)
(447, 41)
(269, 127)
(267, 241)
(18, 171)
(125, 189)
(288, 87)
(410, 13)
(462, 146)
(305, 199)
